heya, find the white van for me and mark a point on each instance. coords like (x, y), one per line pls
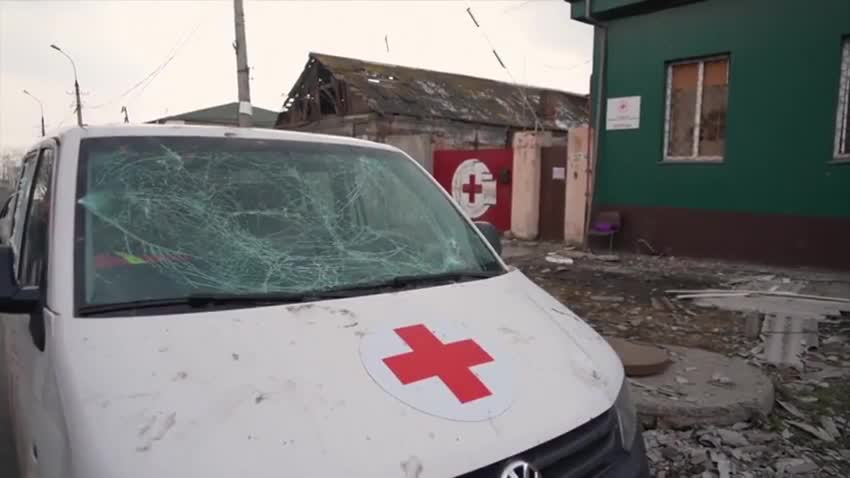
(185, 301)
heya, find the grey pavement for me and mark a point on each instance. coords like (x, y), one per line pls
(8, 467)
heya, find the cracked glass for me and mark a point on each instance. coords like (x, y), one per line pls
(166, 217)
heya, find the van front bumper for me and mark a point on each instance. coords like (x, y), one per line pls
(633, 464)
(593, 450)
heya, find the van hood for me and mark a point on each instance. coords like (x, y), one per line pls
(429, 382)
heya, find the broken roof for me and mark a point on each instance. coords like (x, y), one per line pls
(398, 90)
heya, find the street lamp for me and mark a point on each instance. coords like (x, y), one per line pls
(41, 105)
(76, 84)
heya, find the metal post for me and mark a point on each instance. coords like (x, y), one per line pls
(79, 104)
(600, 32)
(242, 72)
(40, 105)
(76, 84)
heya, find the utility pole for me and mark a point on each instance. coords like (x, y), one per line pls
(76, 84)
(79, 103)
(41, 105)
(241, 47)
(126, 117)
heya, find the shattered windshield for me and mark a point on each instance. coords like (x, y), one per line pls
(166, 217)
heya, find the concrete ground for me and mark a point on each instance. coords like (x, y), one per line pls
(8, 466)
(703, 388)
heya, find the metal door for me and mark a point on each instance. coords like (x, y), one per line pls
(553, 173)
(480, 182)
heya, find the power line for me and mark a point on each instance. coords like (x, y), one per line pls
(67, 117)
(162, 67)
(469, 11)
(517, 6)
(139, 93)
(508, 70)
(152, 75)
(566, 68)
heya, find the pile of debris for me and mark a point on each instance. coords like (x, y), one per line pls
(739, 451)
(704, 432)
(807, 435)
(568, 255)
(808, 432)
(790, 325)
(787, 322)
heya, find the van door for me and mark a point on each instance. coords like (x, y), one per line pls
(40, 428)
(9, 322)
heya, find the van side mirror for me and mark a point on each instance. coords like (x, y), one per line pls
(493, 236)
(13, 298)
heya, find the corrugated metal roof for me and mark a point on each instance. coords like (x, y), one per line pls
(226, 114)
(398, 90)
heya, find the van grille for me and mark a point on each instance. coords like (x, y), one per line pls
(585, 452)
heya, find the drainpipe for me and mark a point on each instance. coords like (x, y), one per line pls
(597, 119)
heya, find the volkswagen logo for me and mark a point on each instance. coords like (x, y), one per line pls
(520, 469)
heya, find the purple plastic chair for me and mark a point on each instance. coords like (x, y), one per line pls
(607, 223)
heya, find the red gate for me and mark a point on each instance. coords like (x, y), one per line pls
(480, 181)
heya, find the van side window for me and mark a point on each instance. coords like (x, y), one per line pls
(34, 246)
(7, 206)
(22, 195)
(6, 219)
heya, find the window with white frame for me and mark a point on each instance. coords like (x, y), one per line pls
(842, 122)
(695, 115)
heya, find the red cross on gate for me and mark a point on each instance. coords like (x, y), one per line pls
(449, 362)
(472, 188)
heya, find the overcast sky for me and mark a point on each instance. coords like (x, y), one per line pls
(118, 43)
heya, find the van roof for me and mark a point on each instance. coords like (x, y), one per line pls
(121, 129)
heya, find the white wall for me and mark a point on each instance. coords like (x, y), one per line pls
(418, 146)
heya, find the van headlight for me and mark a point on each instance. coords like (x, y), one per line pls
(626, 416)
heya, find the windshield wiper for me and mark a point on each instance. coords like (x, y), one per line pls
(405, 282)
(198, 301)
(206, 300)
(452, 276)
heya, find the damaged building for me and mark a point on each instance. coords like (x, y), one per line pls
(392, 104)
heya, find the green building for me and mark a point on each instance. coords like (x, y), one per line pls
(724, 126)
(221, 115)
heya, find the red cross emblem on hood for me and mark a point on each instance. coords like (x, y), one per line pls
(450, 362)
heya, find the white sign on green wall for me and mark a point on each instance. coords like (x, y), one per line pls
(623, 113)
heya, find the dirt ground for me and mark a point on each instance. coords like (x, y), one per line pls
(627, 299)
(636, 308)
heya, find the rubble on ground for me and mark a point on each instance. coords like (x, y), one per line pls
(741, 452)
(807, 434)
